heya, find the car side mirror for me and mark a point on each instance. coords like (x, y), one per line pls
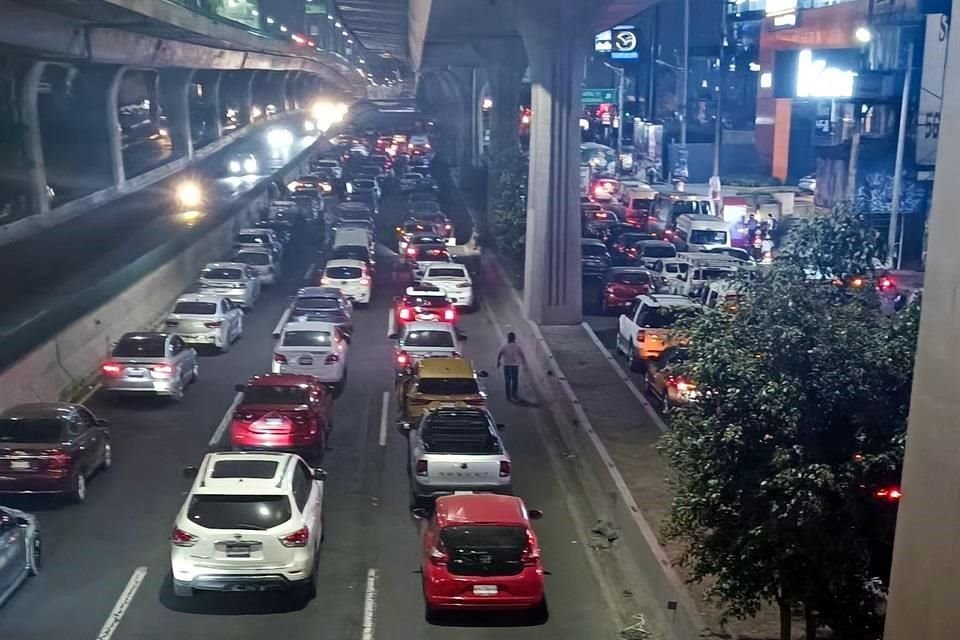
(420, 513)
(393, 336)
(461, 336)
(534, 514)
(190, 472)
(319, 474)
(404, 428)
(101, 422)
(239, 388)
(482, 374)
(501, 426)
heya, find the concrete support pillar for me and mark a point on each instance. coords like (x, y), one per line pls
(98, 97)
(246, 99)
(556, 44)
(174, 85)
(926, 557)
(216, 106)
(32, 143)
(290, 102)
(505, 62)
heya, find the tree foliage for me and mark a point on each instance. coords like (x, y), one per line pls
(508, 222)
(802, 414)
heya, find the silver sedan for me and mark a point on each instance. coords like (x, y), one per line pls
(20, 549)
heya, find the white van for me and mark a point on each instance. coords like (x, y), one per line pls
(697, 269)
(699, 232)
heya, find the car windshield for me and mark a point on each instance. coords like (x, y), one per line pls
(318, 304)
(275, 394)
(428, 241)
(196, 308)
(708, 236)
(594, 250)
(427, 339)
(258, 259)
(694, 207)
(256, 513)
(141, 347)
(445, 272)
(306, 339)
(657, 250)
(350, 252)
(343, 273)
(631, 277)
(221, 274)
(250, 238)
(642, 205)
(448, 386)
(425, 301)
(30, 430)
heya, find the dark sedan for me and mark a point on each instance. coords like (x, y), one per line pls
(594, 260)
(52, 448)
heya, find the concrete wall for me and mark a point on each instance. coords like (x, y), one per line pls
(64, 365)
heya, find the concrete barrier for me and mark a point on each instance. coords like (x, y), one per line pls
(638, 550)
(67, 363)
(19, 229)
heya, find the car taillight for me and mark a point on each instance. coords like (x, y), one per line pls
(421, 469)
(163, 369)
(449, 315)
(331, 359)
(213, 325)
(181, 538)
(886, 284)
(402, 359)
(298, 538)
(364, 280)
(504, 468)
(641, 335)
(891, 494)
(464, 285)
(438, 557)
(59, 460)
(447, 227)
(110, 369)
(172, 323)
(279, 357)
(412, 252)
(531, 554)
(406, 313)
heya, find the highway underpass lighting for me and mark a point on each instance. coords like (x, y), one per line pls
(863, 35)
(487, 104)
(279, 138)
(362, 61)
(255, 112)
(255, 13)
(250, 165)
(270, 20)
(189, 195)
(349, 40)
(329, 17)
(337, 24)
(344, 33)
(163, 133)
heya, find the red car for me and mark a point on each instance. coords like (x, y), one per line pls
(288, 412)
(621, 285)
(480, 552)
(423, 303)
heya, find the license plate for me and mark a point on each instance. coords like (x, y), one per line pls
(344, 282)
(19, 464)
(427, 316)
(485, 590)
(238, 551)
(274, 422)
(305, 360)
(136, 373)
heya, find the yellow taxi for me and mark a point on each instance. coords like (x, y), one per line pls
(435, 381)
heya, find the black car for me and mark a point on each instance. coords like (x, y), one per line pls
(594, 258)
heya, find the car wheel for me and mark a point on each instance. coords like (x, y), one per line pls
(176, 394)
(431, 614)
(78, 494)
(182, 590)
(225, 347)
(36, 555)
(106, 460)
(539, 614)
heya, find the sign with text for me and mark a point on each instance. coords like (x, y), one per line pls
(597, 96)
(931, 87)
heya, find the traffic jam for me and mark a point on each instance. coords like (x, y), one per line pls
(651, 255)
(253, 516)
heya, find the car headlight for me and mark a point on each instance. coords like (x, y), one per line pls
(250, 165)
(234, 166)
(309, 126)
(190, 195)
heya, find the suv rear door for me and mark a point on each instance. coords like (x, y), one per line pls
(241, 531)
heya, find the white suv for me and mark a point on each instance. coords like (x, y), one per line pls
(253, 521)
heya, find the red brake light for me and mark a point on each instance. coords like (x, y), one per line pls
(403, 359)
(59, 460)
(406, 314)
(886, 283)
(890, 494)
(411, 251)
(181, 538)
(421, 469)
(331, 359)
(504, 468)
(641, 335)
(279, 357)
(111, 369)
(449, 315)
(164, 369)
(531, 554)
(213, 325)
(298, 538)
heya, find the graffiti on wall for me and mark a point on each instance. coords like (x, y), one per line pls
(875, 194)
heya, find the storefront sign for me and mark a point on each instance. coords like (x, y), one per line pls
(815, 79)
(931, 88)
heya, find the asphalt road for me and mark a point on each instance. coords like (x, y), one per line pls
(95, 553)
(79, 252)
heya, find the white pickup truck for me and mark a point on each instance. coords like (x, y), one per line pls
(643, 332)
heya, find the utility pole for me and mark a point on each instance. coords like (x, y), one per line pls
(620, 119)
(686, 72)
(654, 52)
(718, 125)
(898, 165)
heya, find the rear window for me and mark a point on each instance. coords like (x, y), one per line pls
(428, 339)
(258, 259)
(417, 227)
(483, 550)
(262, 469)
(448, 386)
(306, 339)
(196, 308)
(708, 236)
(425, 207)
(279, 394)
(657, 251)
(250, 238)
(145, 347)
(445, 272)
(638, 204)
(425, 301)
(254, 513)
(30, 430)
(414, 176)
(221, 274)
(317, 304)
(343, 273)
(640, 277)
(594, 250)
(433, 254)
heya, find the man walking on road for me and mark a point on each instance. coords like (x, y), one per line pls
(511, 357)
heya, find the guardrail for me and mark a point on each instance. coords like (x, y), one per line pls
(43, 334)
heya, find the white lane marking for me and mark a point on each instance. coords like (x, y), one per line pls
(225, 420)
(123, 603)
(277, 330)
(369, 605)
(391, 323)
(306, 276)
(384, 411)
(657, 420)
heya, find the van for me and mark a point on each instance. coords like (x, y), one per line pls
(667, 207)
(699, 233)
(723, 295)
(697, 269)
(639, 204)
